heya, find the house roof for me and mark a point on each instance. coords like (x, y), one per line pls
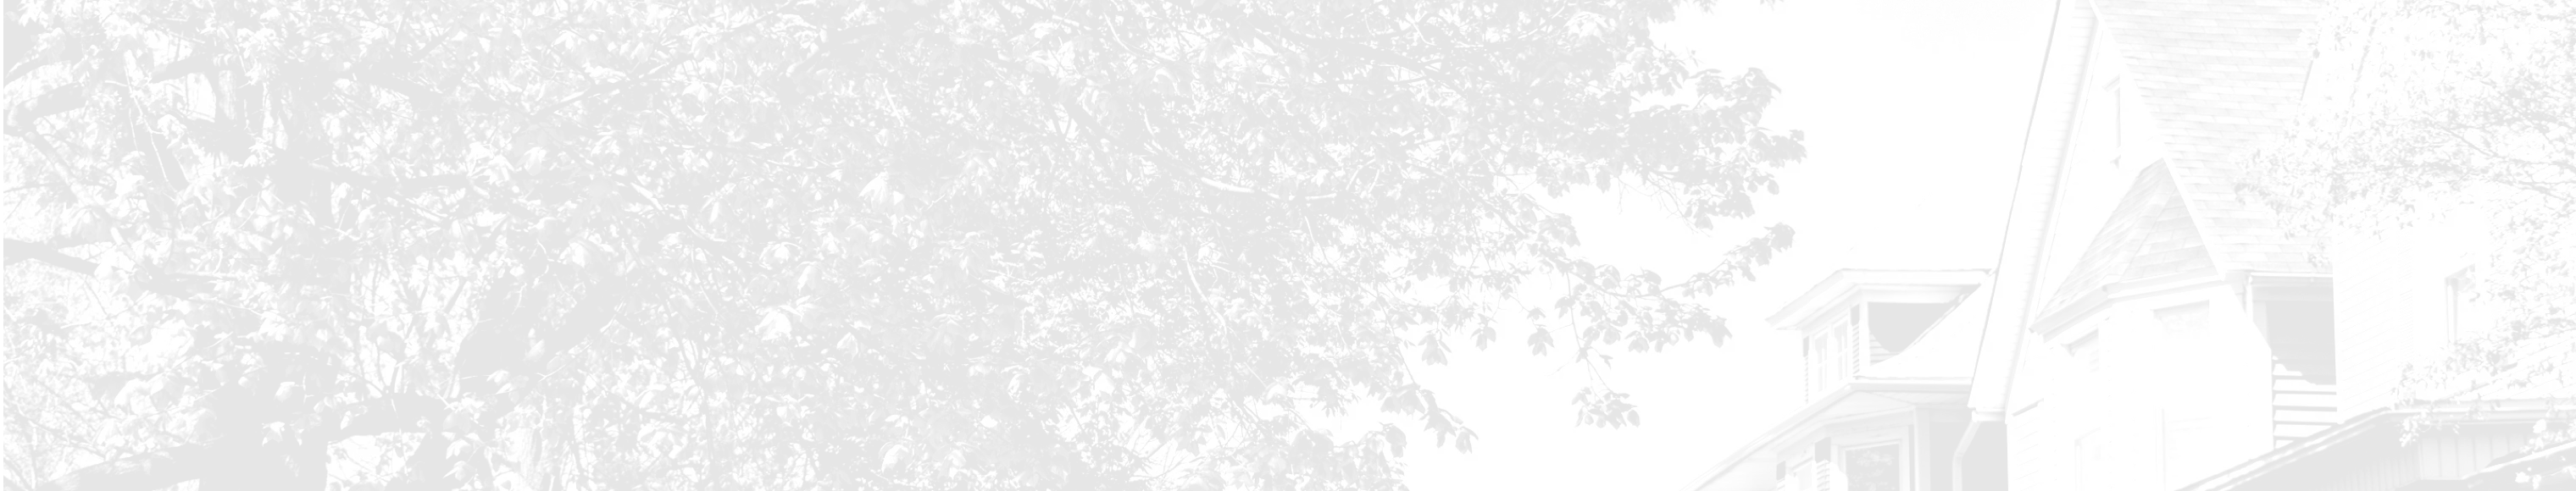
(1935, 370)
(2151, 233)
(1947, 351)
(2378, 426)
(2218, 78)
(1749, 467)
(1829, 295)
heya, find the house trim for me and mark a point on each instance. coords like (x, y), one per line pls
(1843, 286)
(1808, 419)
(2488, 411)
(2055, 322)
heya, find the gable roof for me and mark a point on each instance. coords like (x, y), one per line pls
(2151, 233)
(1946, 352)
(2218, 78)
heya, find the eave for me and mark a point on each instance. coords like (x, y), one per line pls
(1844, 286)
(2279, 459)
(1821, 412)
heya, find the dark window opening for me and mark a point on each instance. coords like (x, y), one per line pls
(2301, 333)
(1895, 326)
(2304, 397)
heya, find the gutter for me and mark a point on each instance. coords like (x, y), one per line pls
(1958, 459)
(2512, 472)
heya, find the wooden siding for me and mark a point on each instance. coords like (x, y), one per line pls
(2380, 467)
(2457, 453)
(2036, 456)
(2377, 461)
(2304, 389)
(2373, 320)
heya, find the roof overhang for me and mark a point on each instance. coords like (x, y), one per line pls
(1858, 399)
(2377, 422)
(1885, 285)
(2057, 320)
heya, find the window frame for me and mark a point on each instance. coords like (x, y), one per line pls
(1823, 363)
(2463, 314)
(2087, 452)
(1904, 464)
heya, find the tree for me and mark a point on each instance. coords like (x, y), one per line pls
(990, 244)
(2454, 108)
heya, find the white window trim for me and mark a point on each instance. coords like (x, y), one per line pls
(2077, 458)
(2463, 314)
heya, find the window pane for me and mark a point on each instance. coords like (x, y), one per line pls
(1872, 469)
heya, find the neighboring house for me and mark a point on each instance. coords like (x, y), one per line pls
(2150, 326)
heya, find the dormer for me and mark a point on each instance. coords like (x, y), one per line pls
(1857, 318)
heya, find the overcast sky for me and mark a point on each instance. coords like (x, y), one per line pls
(1914, 114)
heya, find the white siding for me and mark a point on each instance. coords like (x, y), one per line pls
(2391, 305)
(2372, 321)
(2037, 449)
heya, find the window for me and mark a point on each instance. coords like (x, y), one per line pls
(2302, 336)
(1895, 326)
(2090, 466)
(2463, 313)
(1873, 468)
(1824, 361)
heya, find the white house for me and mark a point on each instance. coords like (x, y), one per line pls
(2150, 325)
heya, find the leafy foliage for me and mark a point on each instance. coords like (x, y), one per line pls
(888, 245)
(2455, 108)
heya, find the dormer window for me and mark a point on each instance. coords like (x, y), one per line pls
(1894, 326)
(1861, 318)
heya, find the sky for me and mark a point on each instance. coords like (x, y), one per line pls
(1914, 113)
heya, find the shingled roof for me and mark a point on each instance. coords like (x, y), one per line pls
(2219, 77)
(2152, 233)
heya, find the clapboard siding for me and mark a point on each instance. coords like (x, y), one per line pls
(2381, 469)
(2372, 320)
(2456, 454)
(2376, 461)
(2034, 459)
(2304, 389)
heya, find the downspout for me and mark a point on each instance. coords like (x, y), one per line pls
(1958, 456)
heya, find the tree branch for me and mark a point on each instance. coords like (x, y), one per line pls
(50, 253)
(154, 470)
(389, 414)
(24, 114)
